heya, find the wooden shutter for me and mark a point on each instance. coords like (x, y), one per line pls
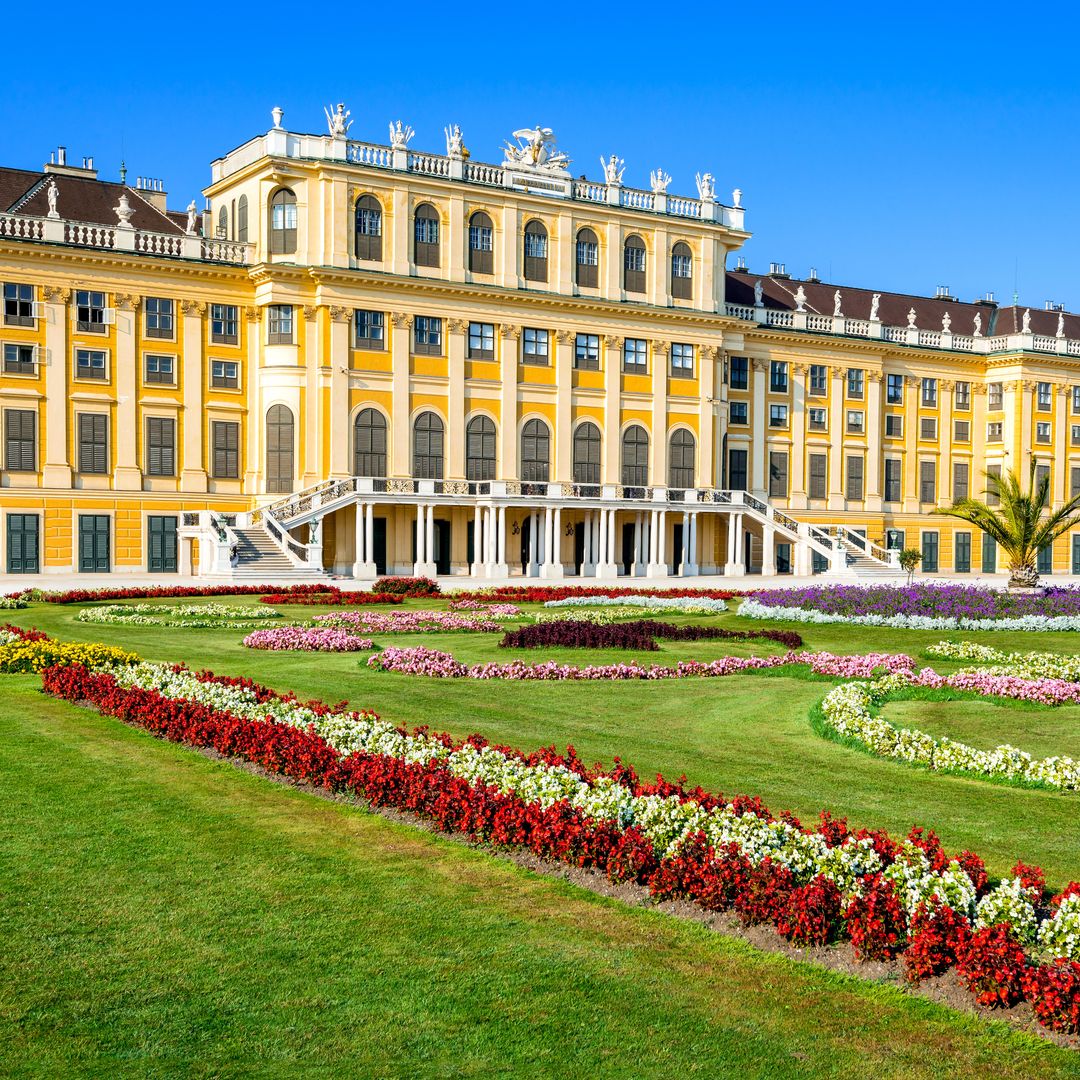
(819, 464)
(225, 437)
(161, 544)
(22, 544)
(20, 440)
(93, 443)
(160, 446)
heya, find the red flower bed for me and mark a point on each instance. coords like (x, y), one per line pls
(406, 586)
(541, 594)
(988, 961)
(636, 634)
(165, 592)
(27, 635)
(331, 597)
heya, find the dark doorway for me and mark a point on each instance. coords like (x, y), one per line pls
(378, 542)
(628, 546)
(677, 546)
(23, 547)
(441, 556)
(93, 543)
(748, 542)
(579, 546)
(526, 533)
(161, 544)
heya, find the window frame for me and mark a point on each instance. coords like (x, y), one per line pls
(368, 228)
(779, 377)
(739, 368)
(166, 467)
(481, 258)
(16, 363)
(152, 378)
(533, 336)
(427, 336)
(639, 349)
(17, 295)
(80, 376)
(90, 312)
(856, 384)
(778, 415)
(20, 449)
(92, 453)
(682, 271)
(484, 334)
(223, 472)
(427, 238)
(586, 352)
(224, 316)
(586, 271)
(159, 318)
(280, 324)
(635, 265)
(283, 221)
(681, 360)
(374, 320)
(224, 381)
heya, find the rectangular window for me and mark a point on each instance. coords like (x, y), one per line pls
(536, 245)
(737, 412)
(90, 364)
(427, 335)
(855, 382)
(535, 346)
(993, 431)
(778, 416)
(855, 421)
(1075, 434)
(159, 369)
(18, 304)
(223, 324)
(1076, 553)
(962, 430)
(370, 329)
(160, 446)
(19, 359)
(225, 374)
(819, 380)
(992, 479)
(588, 254)
(1044, 561)
(1042, 474)
(427, 231)
(778, 474)
(989, 555)
(819, 419)
(737, 469)
(930, 552)
(819, 476)
(635, 356)
(927, 481)
(994, 396)
(893, 479)
(962, 396)
(159, 317)
(854, 477)
(1044, 396)
(682, 360)
(1076, 400)
(225, 440)
(481, 341)
(93, 436)
(1042, 432)
(1074, 482)
(894, 426)
(928, 428)
(894, 389)
(960, 483)
(23, 543)
(962, 552)
(929, 393)
(587, 352)
(279, 324)
(89, 311)
(778, 377)
(20, 440)
(481, 238)
(682, 266)
(740, 373)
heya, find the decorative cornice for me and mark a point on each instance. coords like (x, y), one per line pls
(252, 314)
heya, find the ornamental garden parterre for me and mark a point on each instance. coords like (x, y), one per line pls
(901, 900)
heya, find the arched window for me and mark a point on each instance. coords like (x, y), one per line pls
(426, 235)
(283, 223)
(587, 454)
(480, 449)
(428, 447)
(635, 456)
(682, 272)
(279, 449)
(634, 264)
(481, 244)
(369, 228)
(681, 459)
(535, 452)
(536, 252)
(223, 223)
(587, 259)
(369, 443)
(241, 220)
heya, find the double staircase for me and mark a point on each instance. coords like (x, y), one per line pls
(260, 558)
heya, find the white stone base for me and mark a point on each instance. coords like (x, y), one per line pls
(550, 571)
(607, 570)
(364, 571)
(424, 569)
(656, 570)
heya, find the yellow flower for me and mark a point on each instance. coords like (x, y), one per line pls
(35, 656)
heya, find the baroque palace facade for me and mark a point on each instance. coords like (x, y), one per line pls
(361, 359)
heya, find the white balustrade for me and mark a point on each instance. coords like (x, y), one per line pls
(774, 317)
(681, 207)
(636, 199)
(378, 157)
(479, 173)
(963, 343)
(429, 164)
(738, 311)
(895, 333)
(152, 243)
(857, 327)
(819, 322)
(590, 192)
(997, 344)
(1044, 344)
(17, 227)
(87, 235)
(931, 338)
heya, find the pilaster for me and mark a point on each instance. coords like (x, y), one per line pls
(658, 442)
(400, 418)
(837, 465)
(564, 380)
(338, 422)
(609, 472)
(710, 357)
(797, 496)
(759, 377)
(193, 477)
(508, 404)
(455, 403)
(126, 473)
(56, 471)
(873, 493)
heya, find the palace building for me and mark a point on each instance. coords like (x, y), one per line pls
(362, 358)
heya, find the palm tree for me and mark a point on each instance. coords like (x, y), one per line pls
(1021, 525)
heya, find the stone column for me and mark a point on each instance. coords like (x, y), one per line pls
(684, 559)
(534, 544)
(797, 494)
(429, 542)
(693, 548)
(193, 477)
(564, 378)
(126, 472)
(339, 420)
(872, 494)
(401, 412)
(836, 438)
(636, 564)
(501, 569)
(659, 423)
(508, 404)
(56, 471)
(369, 541)
(768, 551)
(455, 401)
(420, 534)
(758, 480)
(364, 556)
(478, 544)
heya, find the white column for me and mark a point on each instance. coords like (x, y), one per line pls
(661, 543)
(501, 568)
(554, 559)
(601, 540)
(548, 567)
(429, 543)
(420, 562)
(768, 553)
(478, 559)
(613, 562)
(534, 544)
(363, 557)
(657, 522)
(685, 559)
(587, 537)
(369, 542)
(693, 552)
(635, 563)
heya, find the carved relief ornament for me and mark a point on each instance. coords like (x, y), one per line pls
(192, 307)
(56, 294)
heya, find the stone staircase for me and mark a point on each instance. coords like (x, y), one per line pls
(861, 565)
(258, 558)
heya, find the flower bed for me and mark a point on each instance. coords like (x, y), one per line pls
(191, 616)
(814, 884)
(25, 654)
(406, 586)
(13, 633)
(683, 605)
(542, 594)
(12, 603)
(496, 611)
(409, 622)
(919, 607)
(641, 634)
(1030, 665)
(331, 598)
(167, 592)
(305, 639)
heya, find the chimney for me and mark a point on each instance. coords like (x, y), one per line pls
(58, 165)
(778, 270)
(740, 264)
(152, 190)
(812, 277)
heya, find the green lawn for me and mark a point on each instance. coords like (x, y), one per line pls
(170, 916)
(737, 734)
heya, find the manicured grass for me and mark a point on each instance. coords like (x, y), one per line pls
(746, 733)
(168, 915)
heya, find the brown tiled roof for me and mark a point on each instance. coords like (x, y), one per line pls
(1010, 320)
(14, 183)
(893, 308)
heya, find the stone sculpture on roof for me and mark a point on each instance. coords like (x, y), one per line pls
(338, 120)
(978, 324)
(758, 293)
(800, 299)
(53, 193)
(659, 180)
(400, 134)
(836, 301)
(613, 168)
(192, 218)
(911, 319)
(124, 212)
(706, 186)
(1061, 325)
(1026, 328)
(875, 301)
(535, 149)
(946, 322)
(455, 142)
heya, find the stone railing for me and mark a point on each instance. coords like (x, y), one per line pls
(840, 325)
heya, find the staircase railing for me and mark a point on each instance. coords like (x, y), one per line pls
(302, 556)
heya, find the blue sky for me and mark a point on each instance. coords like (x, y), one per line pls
(900, 147)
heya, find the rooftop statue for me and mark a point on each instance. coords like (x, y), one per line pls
(400, 135)
(192, 218)
(613, 168)
(758, 302)
(836, 301)
(911, 319)
(875, 301)
(124, 212)
(800, 299)
(658, 181)
(946, 322)
(978, 324)
(1026, 327)
(535, 149)
(455, 143)
(53, 193)
(736, 198)
(338, 120)
(1061, 325)
(706, 186)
